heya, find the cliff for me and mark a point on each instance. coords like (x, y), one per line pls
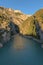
(15, 21)
(33, 25)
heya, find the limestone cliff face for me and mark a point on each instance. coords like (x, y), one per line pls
(7, 32)
(10, 23)
(33, 25)
(8, 27)
(14, 21)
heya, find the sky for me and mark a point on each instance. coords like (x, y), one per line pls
(26, 6)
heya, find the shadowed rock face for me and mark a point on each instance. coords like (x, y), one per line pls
(14, 21)
(6, 34)
(8, 28)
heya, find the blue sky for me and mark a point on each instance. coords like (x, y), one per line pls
(26, 6)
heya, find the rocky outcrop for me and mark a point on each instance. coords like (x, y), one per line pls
(7, 33)
(14, 21)
(10, 23)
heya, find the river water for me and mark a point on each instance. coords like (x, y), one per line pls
(21, 51)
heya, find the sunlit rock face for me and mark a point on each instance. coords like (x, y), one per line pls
(8, 28)
(16, 16)
(15, 21)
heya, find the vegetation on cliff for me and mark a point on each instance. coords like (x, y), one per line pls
(14, 21)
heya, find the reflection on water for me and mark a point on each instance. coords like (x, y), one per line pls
(18, 43)
(21, 51)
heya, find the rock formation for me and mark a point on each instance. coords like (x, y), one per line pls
(14, 21)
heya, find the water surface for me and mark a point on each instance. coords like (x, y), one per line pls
(21, 51)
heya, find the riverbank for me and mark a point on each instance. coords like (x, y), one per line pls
(28, 37)
(33, 38)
